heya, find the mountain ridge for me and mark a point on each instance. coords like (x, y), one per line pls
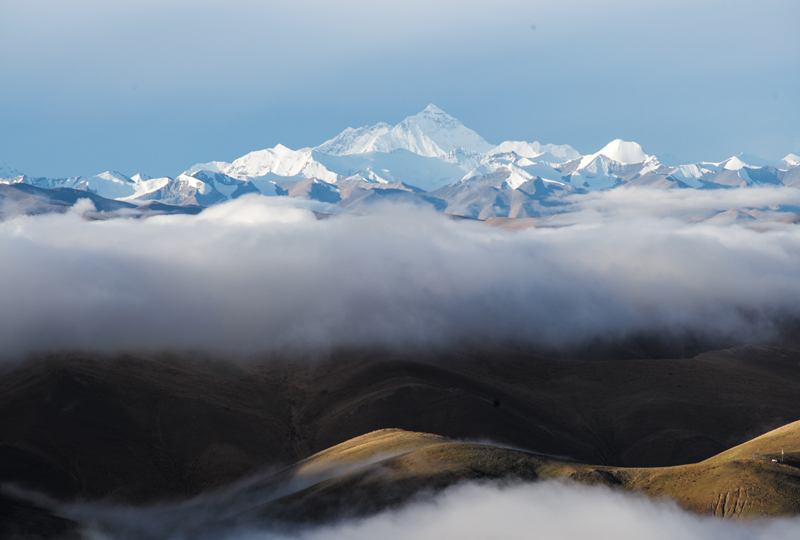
(430, 150)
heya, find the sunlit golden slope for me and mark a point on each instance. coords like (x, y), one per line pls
(732, 484)
(747, 480)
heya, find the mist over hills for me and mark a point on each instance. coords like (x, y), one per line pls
(434, 160)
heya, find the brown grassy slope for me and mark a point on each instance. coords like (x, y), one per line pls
(392, 481)
(137, 428)
(741, 488)
(143, 427)
(741, 481)
(724, 486)
(767, 446)
(384, 442)
(614, 412)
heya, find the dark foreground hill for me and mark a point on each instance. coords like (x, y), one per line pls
(139, 428)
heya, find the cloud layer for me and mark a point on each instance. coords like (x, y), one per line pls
(551, 510)
(259, 273)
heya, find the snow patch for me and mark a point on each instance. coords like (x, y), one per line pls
(792, 160)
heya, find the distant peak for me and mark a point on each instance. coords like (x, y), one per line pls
(792, 159)
(733, 164)
(435, 114)
(624, 151)
(8, 172)
(433, 109)
(113, 175)
(752, 160)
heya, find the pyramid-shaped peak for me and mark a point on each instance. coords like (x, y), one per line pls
(446, 132)
(433, 115)
(433, 109)
(431, 133)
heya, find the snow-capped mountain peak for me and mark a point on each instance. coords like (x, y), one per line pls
(742, 160)
(109, 184)
(211, 166)
(733, 164)
(792, 160)
(8, 172)
(620, 151)
(430, 133)
(433, 110)
(623, 152)
(447, 132)
(354, 140)
(114, 176)
(279, 160)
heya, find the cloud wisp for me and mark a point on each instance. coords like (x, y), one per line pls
(261, 274)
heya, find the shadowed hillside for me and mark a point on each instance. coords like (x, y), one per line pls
(139, 428)
(388, 468)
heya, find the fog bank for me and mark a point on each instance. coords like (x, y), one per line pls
(261, 274)
(550, 509)
(556, 511)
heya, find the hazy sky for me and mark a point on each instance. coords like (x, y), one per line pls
(156, 86)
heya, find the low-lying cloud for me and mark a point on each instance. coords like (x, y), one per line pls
(551, 510)
(677, 203)
(261, 274)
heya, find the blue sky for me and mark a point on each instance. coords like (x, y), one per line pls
(156, 86)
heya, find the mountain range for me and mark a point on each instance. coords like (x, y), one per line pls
(432, 159)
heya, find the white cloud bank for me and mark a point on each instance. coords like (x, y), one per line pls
(258, 273)
(545, 510)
